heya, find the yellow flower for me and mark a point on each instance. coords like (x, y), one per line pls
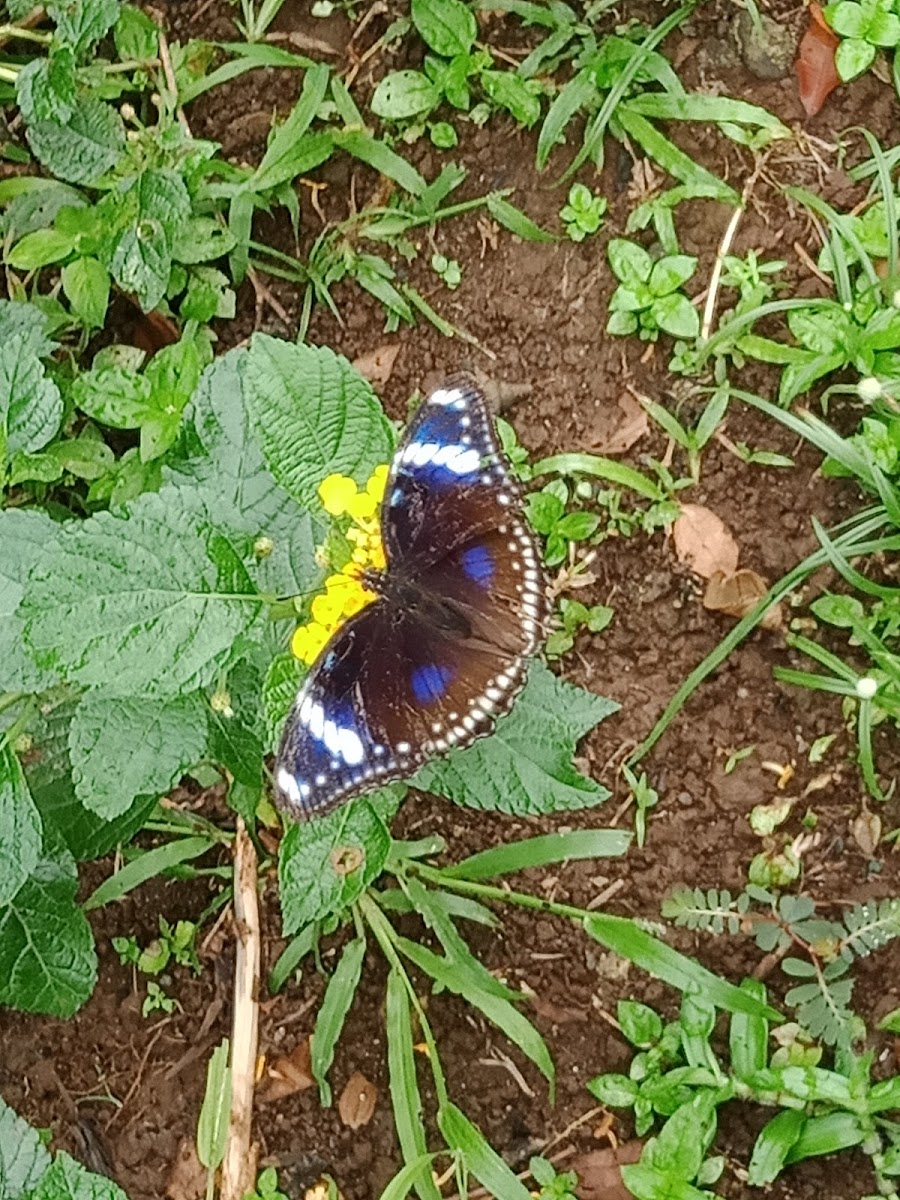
(345, 594)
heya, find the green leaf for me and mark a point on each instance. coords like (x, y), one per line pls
(115, 395)
(31, 407)
(325, 864)
(479, 1158)
(82, 148)
(136, 35)
(828, 1134)
(447, 26)
(671, 272)
(852, 57)
(630, 262)
(149, 603)
(773, 1146)
(23, 1156)
(404, 94)
(82, 23)
(215, 1112)
(676, 315)
(122, 748)
(575, 95)
(381, 158)
(406, 1099)
(47, 959)
(626, 939)
(508, 90)
(20, 827)
(525, 767)
(541, 852)
(141, 257)
(335, 1005)
(293, 151)
(39, 249)
(23, 534)
(515, 220)
(45, 87)
(313, 415)
(146, 866)
(640, 1023)
(69, 1180)
(847, 19)
(618, 1091)
(201, 239)
(85, 285)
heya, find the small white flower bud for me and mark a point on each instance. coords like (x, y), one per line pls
(263, 546)
(868, 389)
(866, 687)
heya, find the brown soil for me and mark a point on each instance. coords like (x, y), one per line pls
(134, 1086)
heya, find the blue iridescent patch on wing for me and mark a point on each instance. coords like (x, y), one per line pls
(478, 564)
(430, 682)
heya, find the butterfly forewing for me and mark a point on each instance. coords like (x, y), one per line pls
(441, 654)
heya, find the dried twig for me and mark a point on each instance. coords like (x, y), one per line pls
(239, 1167)
(724, 248)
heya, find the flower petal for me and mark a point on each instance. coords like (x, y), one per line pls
(336, 493)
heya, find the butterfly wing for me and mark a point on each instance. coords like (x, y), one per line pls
(448, 481)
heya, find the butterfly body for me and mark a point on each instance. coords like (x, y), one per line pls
(442, 649)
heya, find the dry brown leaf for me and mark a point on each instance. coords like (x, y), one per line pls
(866, 830)
(187, 1178)
(703, 541)
(738, 594)
(376, 365)
(599, 1177)
(616, 430)
(289, 1074)
(357, 1102)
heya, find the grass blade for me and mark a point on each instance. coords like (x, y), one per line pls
(212, 1125)
(147, 866)
(335, 1006)
(515, 220)
(668, 156)
(404, 1088)
(603, 468)
(381, 158)
(481, 1159)
(541, 851)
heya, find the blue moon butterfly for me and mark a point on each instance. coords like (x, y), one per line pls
(441, 652)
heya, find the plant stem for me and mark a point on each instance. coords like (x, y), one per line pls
(9, 31)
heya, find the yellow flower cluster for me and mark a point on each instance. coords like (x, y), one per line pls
(345, 593)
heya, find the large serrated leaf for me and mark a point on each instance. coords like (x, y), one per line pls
(23, 534)
(47, 958)
(49, 775)
(30, 404)
(69, 1180)
(152, 602)
(525, 766)
(326, 864)
(141, 259)
(136, 746)
(313, 415)
(83, 148)
(23, 1157)
(81, 23)
(20, 827)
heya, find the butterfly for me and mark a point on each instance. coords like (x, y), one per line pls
(443, 649)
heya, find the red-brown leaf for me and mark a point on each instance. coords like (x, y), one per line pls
(816, 73)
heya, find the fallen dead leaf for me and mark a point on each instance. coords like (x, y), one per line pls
(703, 542)
(738, 594)
(286, 1075)
(357, 1102)
(376, 365)
(817, 75)
(866, 830)
(187, 1178)
(615, 430)
(599, 1177)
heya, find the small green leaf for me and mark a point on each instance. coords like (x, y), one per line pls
(82, 23)
(85, 285)
(136, 35)
(293, 151)
(82, 148)
(447, 26)
(478, 1156)
(147, 866)
(676, 315)
(773, 1146)
(852, 57)
(67, 1179)
(335, 1005)
(326, 864)
(404, 94)
(515, 220)
(616, 1090)
(540, 852)
(640, 1023)
(39, 249)
(31, 406)
(630, 262)
(508, 90)
(212, 1124)
(671, 272)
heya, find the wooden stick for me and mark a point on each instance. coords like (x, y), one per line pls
(239, 1166)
